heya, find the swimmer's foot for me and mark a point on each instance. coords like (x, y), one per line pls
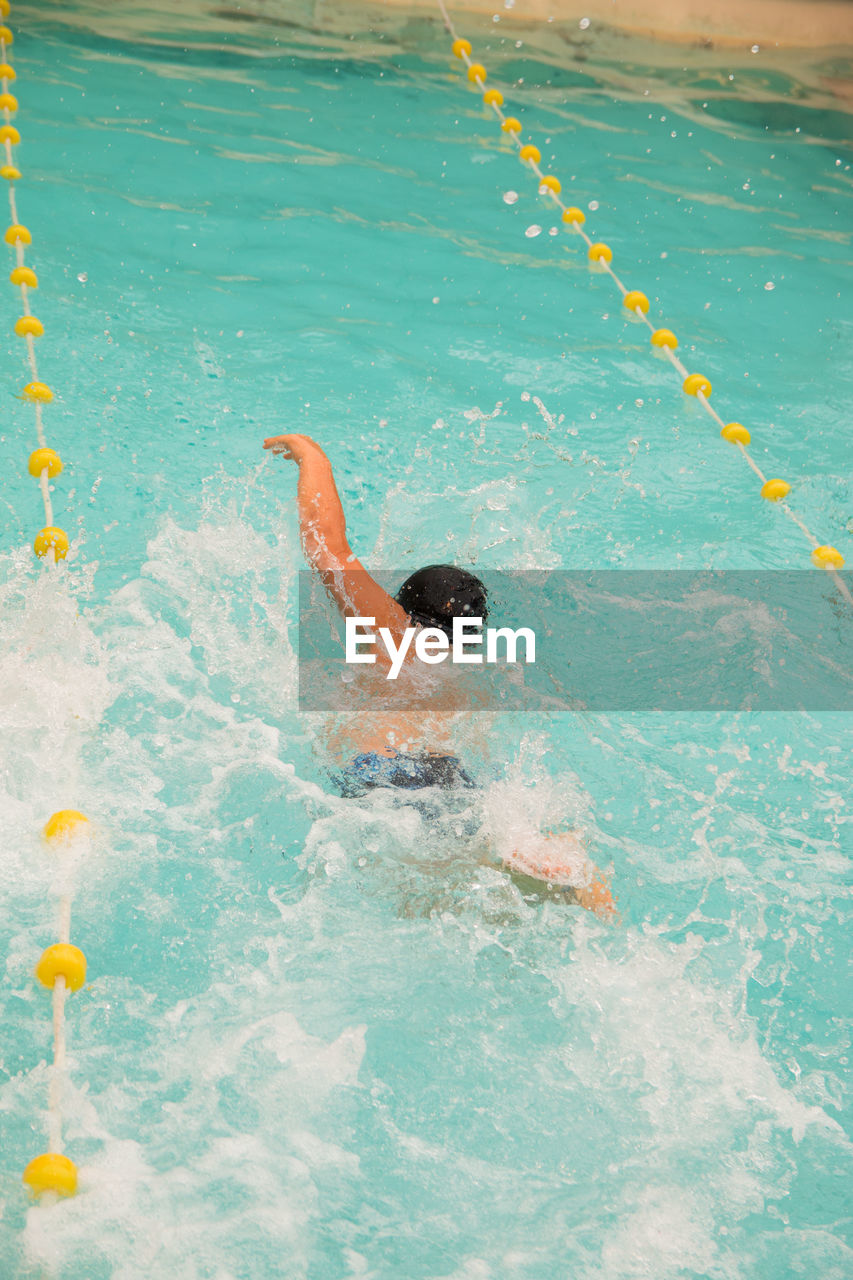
(597, 897)
(560, 859)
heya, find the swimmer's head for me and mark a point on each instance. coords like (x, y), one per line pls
(434, 596)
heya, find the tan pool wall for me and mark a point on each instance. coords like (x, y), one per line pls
(803, 24)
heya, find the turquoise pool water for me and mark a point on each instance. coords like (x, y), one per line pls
(323, 1039)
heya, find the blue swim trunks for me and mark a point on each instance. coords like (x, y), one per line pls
(406, 772)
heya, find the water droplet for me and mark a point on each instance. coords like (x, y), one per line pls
(510, 197)
(583, 24)
(593, 204)
(755, 48)
(532, 231)
(83, 277)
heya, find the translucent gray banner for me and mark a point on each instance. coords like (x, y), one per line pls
(612, 641)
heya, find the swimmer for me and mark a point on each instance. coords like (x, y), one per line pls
(432, 597)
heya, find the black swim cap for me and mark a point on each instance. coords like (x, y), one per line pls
(434, 596)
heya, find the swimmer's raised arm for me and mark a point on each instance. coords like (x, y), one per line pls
(323, 530)
(322, 524)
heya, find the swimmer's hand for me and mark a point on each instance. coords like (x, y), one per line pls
(559, 859)
(297, 447)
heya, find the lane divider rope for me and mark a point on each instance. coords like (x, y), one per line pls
(62, 966)
(663, 340)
